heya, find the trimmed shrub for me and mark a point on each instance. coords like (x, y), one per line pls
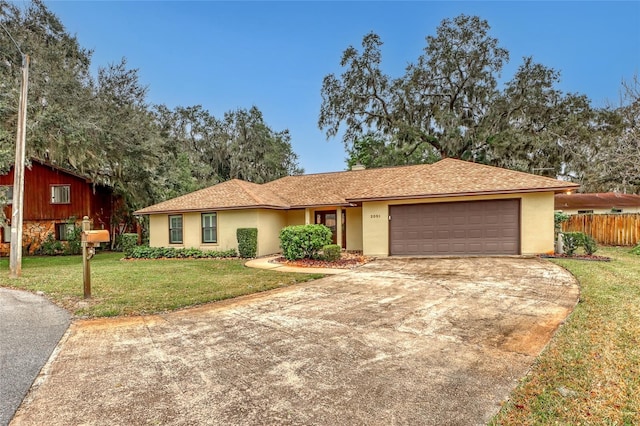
(331, 252)
(304, 241)
(636, 249)
(128, 242)
(247, 242)
(146, 252)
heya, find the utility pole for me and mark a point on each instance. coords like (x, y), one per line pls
(15, 260)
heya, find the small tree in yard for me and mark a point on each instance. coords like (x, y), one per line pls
(304, 241)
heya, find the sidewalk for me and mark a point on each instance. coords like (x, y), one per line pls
(265, 263)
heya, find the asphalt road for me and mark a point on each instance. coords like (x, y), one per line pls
(30, 328)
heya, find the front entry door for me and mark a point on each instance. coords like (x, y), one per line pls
(328, 218)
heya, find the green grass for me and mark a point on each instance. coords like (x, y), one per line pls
(595, 355)
(142, 286)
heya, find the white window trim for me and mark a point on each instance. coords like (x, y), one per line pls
(214, 227)
(181, 229)
(53, 199)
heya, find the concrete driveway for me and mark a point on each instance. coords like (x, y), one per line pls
(398, 341)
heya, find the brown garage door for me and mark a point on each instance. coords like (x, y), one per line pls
(463, 228)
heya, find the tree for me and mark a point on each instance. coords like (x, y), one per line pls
(439, 101)
(448, 104)
(257, 153)
(58, 81)
(532, 126)
(611, 162)
(374, 150)
(240, 145)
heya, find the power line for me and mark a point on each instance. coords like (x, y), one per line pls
(12, 39)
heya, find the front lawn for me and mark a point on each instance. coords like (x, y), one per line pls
(142, 286)
(590, 372)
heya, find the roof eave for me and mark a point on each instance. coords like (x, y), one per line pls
(321, 205)
(209, 209)
(465, 194)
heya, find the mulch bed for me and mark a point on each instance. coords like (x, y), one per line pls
(591, 257)
(346, 261)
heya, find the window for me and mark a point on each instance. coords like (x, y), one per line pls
(209, 228)
(64, 231)
(8, 191)
(60, 194)
(6, 233)
(175, 229)
(585, 211)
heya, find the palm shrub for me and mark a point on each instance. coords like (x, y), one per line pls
(304, 241)
(574, 240)
(589, 244)
(570, 241)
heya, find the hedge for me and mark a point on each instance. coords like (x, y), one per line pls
(146, 252)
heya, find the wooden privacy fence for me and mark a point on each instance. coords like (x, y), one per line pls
(607, 229)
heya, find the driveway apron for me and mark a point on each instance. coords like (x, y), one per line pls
(30, 328)
(397, 341)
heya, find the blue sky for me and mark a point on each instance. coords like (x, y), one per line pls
(274, 55)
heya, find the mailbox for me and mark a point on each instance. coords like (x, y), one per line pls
(95, 237)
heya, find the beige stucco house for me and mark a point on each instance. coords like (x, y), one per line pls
(597, 203)
(451, 207)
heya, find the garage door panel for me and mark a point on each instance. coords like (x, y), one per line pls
(475, 233)
(474, 227)
(442, 234)
(492, 233)
(459, 233)
(510, 233)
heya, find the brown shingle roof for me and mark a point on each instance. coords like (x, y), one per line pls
(327, 188)
(450, 177)
(232, 194)
(601, 200)
(447, 177)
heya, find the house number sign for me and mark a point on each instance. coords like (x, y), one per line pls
(375, 216)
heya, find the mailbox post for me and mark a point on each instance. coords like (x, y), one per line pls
(90, 239)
